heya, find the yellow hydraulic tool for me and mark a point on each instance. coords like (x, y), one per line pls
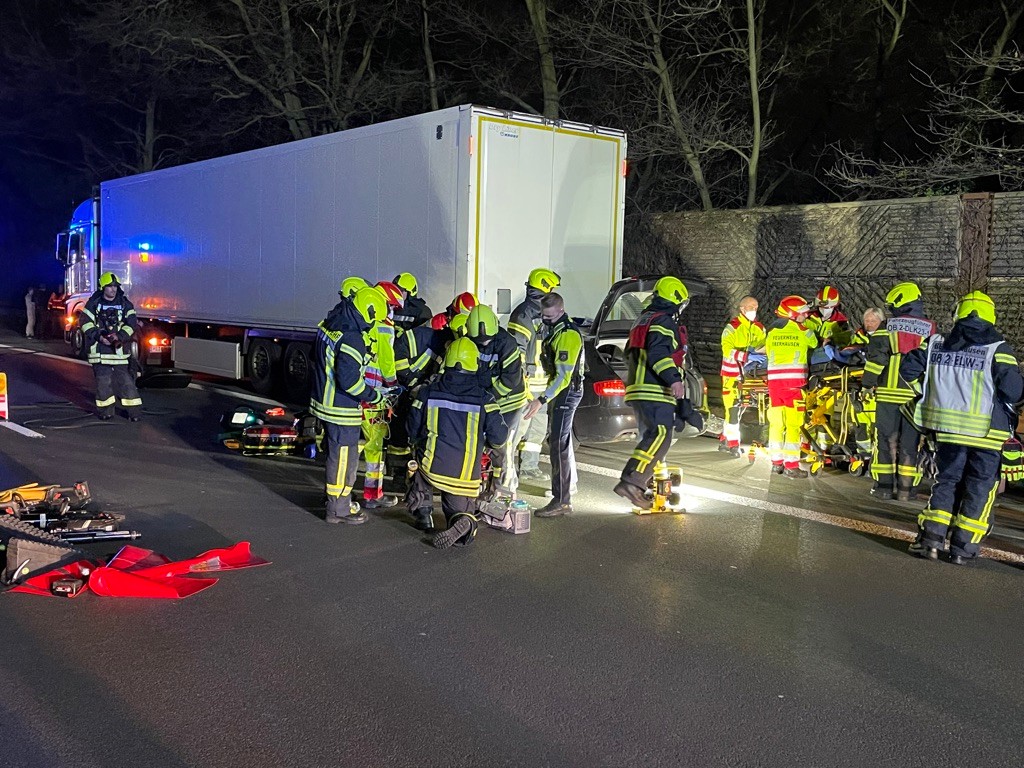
(664, 491)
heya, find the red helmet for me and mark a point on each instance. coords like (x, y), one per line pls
(392, 293)
(792, 307)
(439, 321)
(462, 304)
(828, 297)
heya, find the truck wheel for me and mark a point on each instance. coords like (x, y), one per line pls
(298, 371)
(78, 340)
(261, 365)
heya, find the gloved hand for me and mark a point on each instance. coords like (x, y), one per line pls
(1013, 461)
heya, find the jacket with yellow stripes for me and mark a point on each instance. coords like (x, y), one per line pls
(885, 351)
(339, 367)
(653, 369)
(103, 317)
(501, 368)
(528, 331)
(451, 422)
(418, 355)
(1009, 385)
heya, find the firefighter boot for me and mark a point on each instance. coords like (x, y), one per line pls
(554, 509)
(424, 520)
(633, 493)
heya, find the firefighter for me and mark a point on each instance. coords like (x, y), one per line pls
(655, 386)
(527, 329)
(338, 390)
(502, 370)
(969, 379)
(414, 311)
(380, 374)
(788, 345)
(351, 285)
(562, 361)
(453, 420)
(827, 319)
(109, 325)
(461, 305)
(896, 438)
(742, 335)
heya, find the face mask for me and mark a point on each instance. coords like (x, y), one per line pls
(750, 314)
(826, 312)
(548, 322)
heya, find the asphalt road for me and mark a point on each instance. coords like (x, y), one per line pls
(730, 636)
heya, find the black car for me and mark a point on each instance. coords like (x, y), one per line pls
(603, 415)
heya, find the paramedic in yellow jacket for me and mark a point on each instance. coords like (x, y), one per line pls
(742, 335)
(788, 346)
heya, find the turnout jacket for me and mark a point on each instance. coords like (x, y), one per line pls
(835, 328)
(451, 422)
(970, 381)
(739, 338)
(562, 358)
(788, 346)
(108, 327)
(502, 372)
(886, 348)
(527, 329)
(339, 367)
(418, 355)
(655, 352)
(413, 313)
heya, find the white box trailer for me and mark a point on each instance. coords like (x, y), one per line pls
(239, 257)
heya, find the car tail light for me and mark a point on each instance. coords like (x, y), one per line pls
(610, 388)
(275, 411)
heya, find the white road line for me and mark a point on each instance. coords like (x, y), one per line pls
(61, 358)
(875, 529)
(14, 427)
(234, 393)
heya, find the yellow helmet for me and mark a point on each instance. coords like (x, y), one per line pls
(351, 285)
(482, 324)
(462, 355)
(544, 279)
(407, 282)
(108, 278)
(671, 289)
(903, 294)
(458, 325)
(371, 304)
(977, 303)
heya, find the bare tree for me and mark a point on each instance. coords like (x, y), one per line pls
(538, 10)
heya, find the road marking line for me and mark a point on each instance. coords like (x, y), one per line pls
(235, 393)
(875, 529)
(61, 358)
(15, 427)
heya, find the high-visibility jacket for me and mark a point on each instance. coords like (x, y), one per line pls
(885, 352)
(501, 366)
(562, 358)
(451, 422)
(969, 381)
(739, 339)
(380, 367)
(788, 346)
(835, 328)
(113, 317)
(527, 329)
(339, 366)
(655, 353)
(418, 355)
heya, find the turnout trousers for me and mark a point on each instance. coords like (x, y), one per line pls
(420, 500)
(113, 383)
(342, 462)
(730, 398)
(563, 460)
(896, 450)
(962, 499)
(656, 421)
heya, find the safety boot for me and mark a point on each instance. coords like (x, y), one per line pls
(884, 494)
(778, 469)
(905, 492)
(424, 520)
(921, 549)
(381, 502)
(633, 494)
(795, 473)
(462, 525)
(554, 509)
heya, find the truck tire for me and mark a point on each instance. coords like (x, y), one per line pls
(261, 365)
(297, 370)
(77, 339)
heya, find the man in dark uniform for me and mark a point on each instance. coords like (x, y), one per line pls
(109, 325)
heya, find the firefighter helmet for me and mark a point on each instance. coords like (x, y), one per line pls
(903, 294)
(371, 305)
(352, 285)
(458, 325)
(391, 292)
(543, 279)
(672, 290)
(828, 297)
(977, 303)
(407, 282)
(482, 325)
(792, 307)
(108, 278)
(462, 355)
(462, 304)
